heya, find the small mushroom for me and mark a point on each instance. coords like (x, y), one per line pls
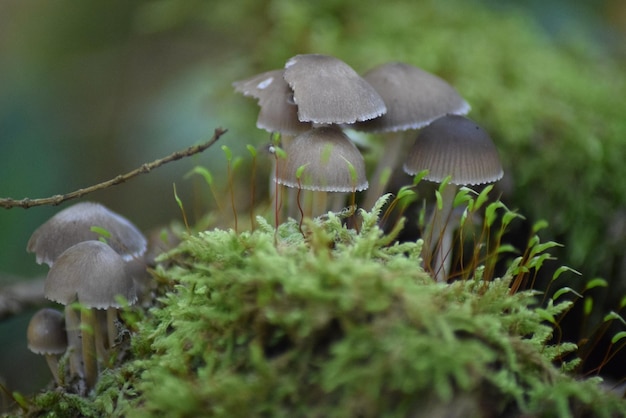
(414, 98)
(74, 224)
(94, 275)
(46, 336)
(328, 91)
(322, 160)
(457, 148)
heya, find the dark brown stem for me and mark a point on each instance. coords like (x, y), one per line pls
(8, 203)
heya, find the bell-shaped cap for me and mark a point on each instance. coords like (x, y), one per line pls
(414, 98)
(73, 225)
(322, 159)
(278, 111)
(46, 334)
(455, 146)
(328, 91)
(91, 273)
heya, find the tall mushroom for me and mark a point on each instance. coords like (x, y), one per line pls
(46, 336)
(328, 91)
(414, 98)
(94, 275)
(457, 148)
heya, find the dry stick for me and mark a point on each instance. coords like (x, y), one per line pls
(8, 203)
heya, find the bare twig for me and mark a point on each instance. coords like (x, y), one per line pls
(8, 203)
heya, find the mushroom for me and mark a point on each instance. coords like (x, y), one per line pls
(455, 148)
(94, 275)
(74, 224)
(328, 91)
(278, 111)
(414, 98)
(46, 336)
(322, 160)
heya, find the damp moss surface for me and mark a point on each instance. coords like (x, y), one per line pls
(333, 322)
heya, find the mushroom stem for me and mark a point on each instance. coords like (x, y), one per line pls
(89, 330)
(111, 327)
(72, 327)
(101, 335)
(53, 365)
(440, 236)
(395, 143)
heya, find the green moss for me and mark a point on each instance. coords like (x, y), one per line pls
(334, 322)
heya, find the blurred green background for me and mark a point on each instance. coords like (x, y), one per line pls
(89, 90)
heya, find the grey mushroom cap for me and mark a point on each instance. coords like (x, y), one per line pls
(73, 225)
(330, 162)
(455, 146)
(414, 98)
(91, 273)
(278, 112)
(46, 332)
(328, 91)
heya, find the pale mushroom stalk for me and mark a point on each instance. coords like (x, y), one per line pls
(111, 314)
(440, 235)
(74, 344)
(89, 331)
(395, 144)
(103, 345)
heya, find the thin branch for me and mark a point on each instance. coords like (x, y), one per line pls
(8, 203)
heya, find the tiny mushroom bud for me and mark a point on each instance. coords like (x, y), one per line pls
(452, 147)
(93, 274)
(46, 336)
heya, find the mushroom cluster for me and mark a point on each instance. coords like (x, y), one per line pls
(307, 102)
(420, 116)
(91, 279)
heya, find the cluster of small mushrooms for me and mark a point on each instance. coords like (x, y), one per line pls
(419, 115)
(92, 279)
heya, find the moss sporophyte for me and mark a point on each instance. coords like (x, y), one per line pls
(333, 322)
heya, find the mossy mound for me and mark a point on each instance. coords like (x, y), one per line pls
(334, 323)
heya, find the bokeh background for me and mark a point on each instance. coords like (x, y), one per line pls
(89, 90)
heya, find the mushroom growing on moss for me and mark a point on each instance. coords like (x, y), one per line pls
(414, 98)
(94, 275)
(456, 148)
(322, 160)
(46, 336)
